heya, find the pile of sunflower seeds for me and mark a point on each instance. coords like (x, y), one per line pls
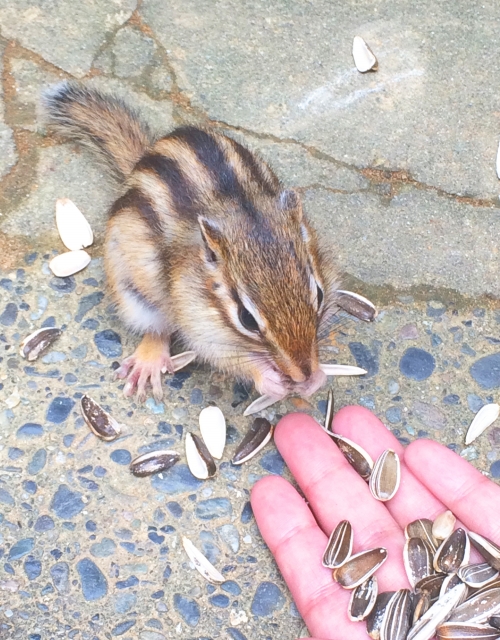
(450, 598)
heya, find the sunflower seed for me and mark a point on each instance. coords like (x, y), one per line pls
(421, 603)
(453, 553)
(478, 608)
(386, 476)
(376, 616)
(200, 462)
(451, 580)
(341, 370)
(72, 225)
(359, 567)
(66, 264)
(492, 585)
(153, 462)
(206, 568)
(431, 585)
(478, 575)
(261, 403)
(181, 360)
(494, 621)
(488, 549)
(421, 528)
(397, 617)
(213, 430)
(363, 600)
(339, 547)
(99, 421)
(417, 556)
(329, 412)
(355, 455)
(443, 525)
(466, 631)
(356, 305)
(440, 610)
(485, 417)
(364, 58)
(256, 439)
(33, 345)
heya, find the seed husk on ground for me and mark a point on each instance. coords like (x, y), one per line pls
(330, 408)
(213, 430)
(431, 585)
(478, 575)
(364, 58)
(201, 563)
(153, 462)
(261, 403)
(357, 457)
(385, 476)
(341, 370)
(466, 631)
(485, 417)
(443, 525)
(356, 305)
(181, 360)
(374, 620)
(488, 549)
(478, 608)
(359, 567)
(397, 618)
(72, 225)
(69, 263)
(417, 556)
(102, 424)
(200, 462)
(33, 345)
(255, 439)
(453, 553)
(438, 612)
(363, 600)
(421, 528)
(339, 547)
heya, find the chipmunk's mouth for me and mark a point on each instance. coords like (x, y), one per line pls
(277, 384)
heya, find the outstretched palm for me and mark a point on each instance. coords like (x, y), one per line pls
(433, 479)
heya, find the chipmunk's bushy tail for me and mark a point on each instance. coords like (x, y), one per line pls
(101, 121)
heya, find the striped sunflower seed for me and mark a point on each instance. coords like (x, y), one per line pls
(363, 600)
(339, 546)
(417, 556)
(478, 608)
(386, 476)
(449, 582)
(467, 631)
(494, 621)
(437, 614)
(33, 345)
(431, 585)
(359, 567)
(453, 553)
(421, 528)
(421, 604)
(255, 439)
(99, 421)
(488, 549)
(153, 462)
(355, 455)
(374, 620)
(478, 575)
(443, 525)
(397, 618)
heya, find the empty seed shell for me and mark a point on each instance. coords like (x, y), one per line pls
(206, 568)
(435, 616)
(396, 621)
(478, 608)
(213, 430)
(485, 417)
(359, 567)
(494, 621)
(421, 603)
(478, 575)
(341, 370)
(453, 553)
(256, 439)
(41, 339)
(431, 585)
(421, 528)
(386, 476)
(374, 620)
(417, 556)
(339, 547)
(66, 264)
(99, 421)
(363, 600)
(443, 525)
(261, 403)
(72, 225)
(181, 360)
(356, 305)
(364, 58)
(329, 411)
(488, 549)
(355, 455)
(200, 462)
(153, 462)
(466, 631)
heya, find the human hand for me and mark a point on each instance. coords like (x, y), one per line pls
(433, 479)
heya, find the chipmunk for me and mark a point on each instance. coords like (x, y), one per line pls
(204, 242)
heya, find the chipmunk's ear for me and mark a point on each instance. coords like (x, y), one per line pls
(289, 201)
(212, 238)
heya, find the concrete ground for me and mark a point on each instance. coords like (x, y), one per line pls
(396, 167)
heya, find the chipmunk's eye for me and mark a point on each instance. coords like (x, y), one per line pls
(320, 296)
(247, 319)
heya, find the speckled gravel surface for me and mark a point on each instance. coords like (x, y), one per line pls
(410, 202)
